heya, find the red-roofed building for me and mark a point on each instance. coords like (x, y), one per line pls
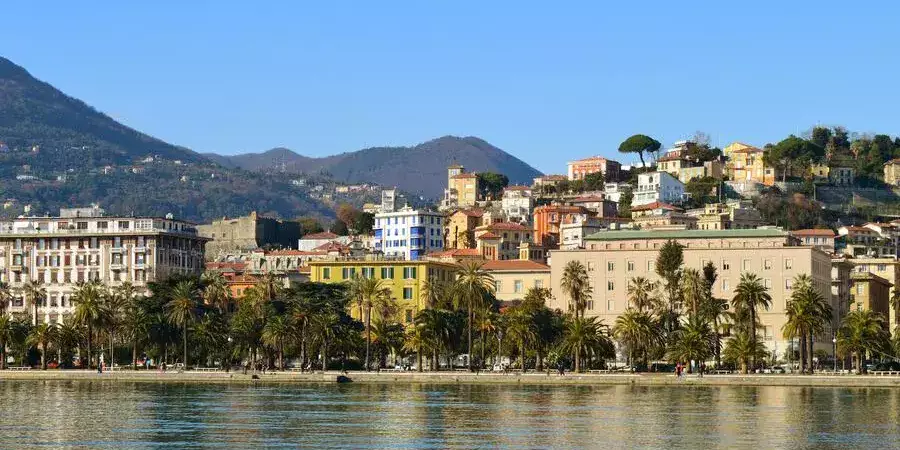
(598, 204)
(502, 240)
(459, 229)
(513, 278)
(584, 167)
(660, 215)
(547, 220)
(462, 188)
(865, 241)
(822, 238)
(309, 242)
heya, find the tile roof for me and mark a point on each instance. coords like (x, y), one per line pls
(332, 247)
(322, 235)
(293, 253)
(588, 198)
(553, 178)
(488, 235)
(685, 234)
(517, 188)
(515, 265)
(457, 252)
(859, 229)
(511, 226)
(464, 175)
(655, 205)
(814, 232)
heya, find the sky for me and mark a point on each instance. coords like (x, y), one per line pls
(546, 81)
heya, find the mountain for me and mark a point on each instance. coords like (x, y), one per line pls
(420, 169)
(56, 151)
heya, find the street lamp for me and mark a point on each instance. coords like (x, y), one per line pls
(834, 350)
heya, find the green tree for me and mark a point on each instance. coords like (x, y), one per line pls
(492, 184)
(585, 336)
(808, 314)
(521, 329)
(215, 291)
(183, 310)
(625, 204)
(41, 336)
(277, 330)
(642, 294)
(695, 341)
(792, 153)
(310, 225)
(640, 144)
(370, 293)
(594, 181)
(69, 336)
(7, 330)
(638, 332)
(863, 331)
(714, 309)
(742, 348)
(35, 293)
(693, 290)
(473, 287)
(5, 297)
(88, 299)
(576, 285)
(668, 267)
(750, 295)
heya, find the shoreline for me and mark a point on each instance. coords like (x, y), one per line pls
(531, 379)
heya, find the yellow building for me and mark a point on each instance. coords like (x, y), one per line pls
(892, 172)
(462, 188)
(885, 268)
(513, 278)
(869, 291)
(459, 228)
(745, 163)
(404, 278)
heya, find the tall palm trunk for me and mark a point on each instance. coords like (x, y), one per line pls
(112, 351)
(434, 360)
(35, 312)
(481, 363)
(578, 359)
(44, 356)
(2, 355)
(184, 336)
(718, 342)
(368, 334)
(753, 335)
(419, 358)
(809, 353)
(522, 355)
(802, 352)
(134, 354)
(469, 359)
(303, 343)
(324, 355)
(89, 354)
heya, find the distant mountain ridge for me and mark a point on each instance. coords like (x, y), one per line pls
(419, 169)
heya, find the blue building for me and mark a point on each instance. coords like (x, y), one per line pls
(408, 233)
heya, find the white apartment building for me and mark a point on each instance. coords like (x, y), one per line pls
(657, 187)
(614, 191)
(62, 251)
(517, 204)
(409, 233)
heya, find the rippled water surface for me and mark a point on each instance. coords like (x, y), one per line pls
(148, 415)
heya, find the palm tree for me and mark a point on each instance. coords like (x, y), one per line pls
(183, 309)
(5, 297)
(415, 341)
(370, 293)
(88, 309)
(585, 336)
(642, 294)
(576, 285)
(487, 325)
(750, 295)
(863, 331)
(34, 294)
(436, 294)
(693, 290)
(436, 330)
(520, 328)
(114, 303)
(135, 326)
(638, 332)
(7, 329)
(302, 311)
(276, 331)
(327, 326)
(388, 336)
(473, 286)
(807, 315)
(69, 336)
(695, 341)
(41, 336)
(215, 290)
(742, 348)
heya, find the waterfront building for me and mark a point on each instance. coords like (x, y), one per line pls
(513, 278)
(63, 251)
(886, 268)
(657, 187)
(612, 258)
(572, 234)
(244, 234)
(869, 291)
(409, 233)
(597, 203)
(595, 164)
(405, 279)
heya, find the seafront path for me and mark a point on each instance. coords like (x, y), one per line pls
(152, 376)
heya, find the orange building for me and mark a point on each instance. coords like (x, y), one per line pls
(547, 220)
(584, 167)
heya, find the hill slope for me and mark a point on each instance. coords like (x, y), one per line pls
(58, 152)
(420, 169)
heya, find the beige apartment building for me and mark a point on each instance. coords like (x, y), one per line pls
(886, 268)
(513, 278)
(612, 258)
(63, 251)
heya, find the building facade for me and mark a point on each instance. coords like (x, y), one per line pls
(821, 238)
(405, 279)
(409, 233)
(244, 234)
(595, 164)
(517, 204)
(501, 241)
(60, 252)
(462, 188)
(513, 278)
(459, 229)
(613, 258)
(871, 292)
(892, 172)
(657, 187)
(547, 220)
(886, 268)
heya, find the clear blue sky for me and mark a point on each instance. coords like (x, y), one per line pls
(546, 81)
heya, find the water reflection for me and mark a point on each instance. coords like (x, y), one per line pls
(141, 415)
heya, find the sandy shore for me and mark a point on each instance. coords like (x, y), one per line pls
(457, 378)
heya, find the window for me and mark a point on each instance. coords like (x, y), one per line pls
(630, 266)
(610, 285)
(539, 284)
(368, 272)
(859, 289)
(102, 225)
(117, 242)
(41, 244)
(497, 285)
(589, 305)
(387, 273)
(518, 286)
(651, 266)
(590, 266)
(788, 263)
(81, 225)
(326, 273)
(745, 265)
(610, 305)
(409, 273)
(882, 267)
(725, 265)
(767, 283)
(348, 272)
(610, 266)
(767, 264)
(788, 283)
(123, 224)
(407, 293)
(724, 285)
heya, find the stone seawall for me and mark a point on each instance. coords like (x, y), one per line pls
(456, 378)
